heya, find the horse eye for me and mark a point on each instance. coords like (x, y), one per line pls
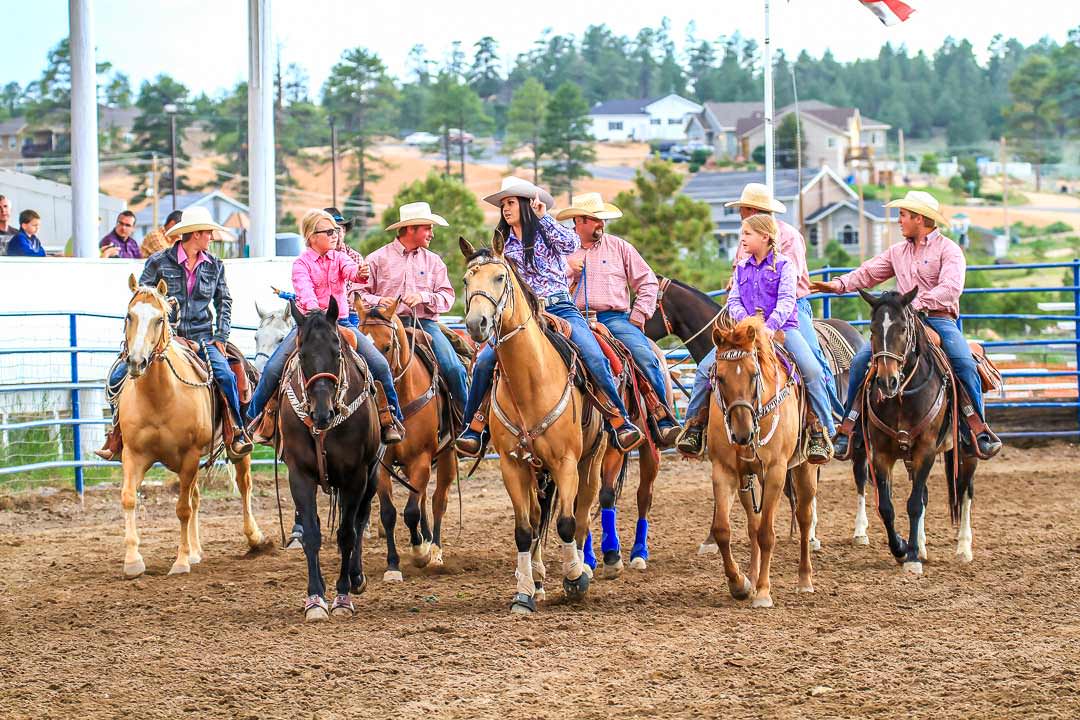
(500, 278)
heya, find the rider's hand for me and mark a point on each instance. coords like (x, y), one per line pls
(832, 286)
(385, 302)
(364, 271)
(538, 206)
(412, 299)
(576, 264)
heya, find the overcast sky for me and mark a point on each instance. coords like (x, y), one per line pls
(203, 43)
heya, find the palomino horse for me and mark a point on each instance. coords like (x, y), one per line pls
(911, 416)
(273, 327)
(687, 313)
(167, 413)
(754, 394)
(422, 406)
(329, 430)
(550, 442)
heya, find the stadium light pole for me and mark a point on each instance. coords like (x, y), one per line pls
(170, 110)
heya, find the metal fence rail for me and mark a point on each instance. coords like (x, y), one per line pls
(73, 384)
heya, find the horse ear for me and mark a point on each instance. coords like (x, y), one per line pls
(467, 248)
(297, 316)
(360, 308)
(907, 297)
(717, 335)
(869, 297)
(162, 287)
(332, 310)
(498, 243)
(259, 311)
(392, 310)
(132, 282)
(751, 331)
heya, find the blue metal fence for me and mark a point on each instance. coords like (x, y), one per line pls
(73, 384)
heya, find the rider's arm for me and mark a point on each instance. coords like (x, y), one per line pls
(304, 288)
(222, 306)
(785, 297)
(441, 296)
(642, 280)
(369, 286)
(561, 239)
(876, 270)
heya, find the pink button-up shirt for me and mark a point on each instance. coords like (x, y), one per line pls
(936, 266)
(182, 258)
(316, 278)
(613, 267)
(791, 245)
(395, 271)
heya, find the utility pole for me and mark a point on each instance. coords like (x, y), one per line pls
(767, 60)
(798, 156)
(333, 162)
(84, 140)
(903, 159)
(1005, 197)
(171, 110)
(153, 186)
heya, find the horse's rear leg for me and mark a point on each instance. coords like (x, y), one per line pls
(612, 470)
(446, 473)
(357, 579)
(189, 468)
(805, 480)
(416, 510)
(388, 518)
(194, 536)
(648, 467)
(244, 485)
(859, 470)
(575, 580)
(965, 488)
(134, 469)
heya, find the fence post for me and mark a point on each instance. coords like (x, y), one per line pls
(1076, 328)
(826, 301)
(76, 444)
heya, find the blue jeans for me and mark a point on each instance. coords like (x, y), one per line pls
(806, 329)
(580, 335)
(635, 341)
(223, 378)
(955, 347)
(448, 360)
(809, 368)
(275, 366)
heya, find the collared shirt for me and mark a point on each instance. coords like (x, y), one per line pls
(128, 248)
(395, 271)
(791, 245)
(612, 268)
(936, 266)
(23, 245)
(770, 287)
(189, 272)
(316, 278)
(155, 241)
(547, 275)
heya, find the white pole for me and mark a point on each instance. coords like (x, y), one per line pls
(261, 131)
(767, 59)
(84, 127)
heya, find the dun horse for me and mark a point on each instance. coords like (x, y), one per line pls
(550, 442)
(167, 415)
(755, 427)
(422, 405)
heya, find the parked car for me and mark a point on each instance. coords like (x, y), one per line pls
(417, 139)
(457, 135)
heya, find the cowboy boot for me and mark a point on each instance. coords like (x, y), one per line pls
(668, 429)
(627, 435)
(241, 444)
(691, 441)
(392, 430)
(987, 444)
(820, 450)
(114, 444)
(264, 427)
(471, 442)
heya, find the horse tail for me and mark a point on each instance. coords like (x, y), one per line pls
(789, 491)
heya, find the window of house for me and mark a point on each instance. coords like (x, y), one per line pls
(848, 236)
(814, 235)
(13, 142)
(830, 142)
(654, 121)
(731, 211)
(873, 139)
(614, 125)
(674, 121)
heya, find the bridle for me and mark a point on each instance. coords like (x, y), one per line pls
(500, 303)
(302, 405)
(161, 346)
(909, 350)
(395, 345)
(665, 283)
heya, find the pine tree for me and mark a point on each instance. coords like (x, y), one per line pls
(566, 141)
(526, 120)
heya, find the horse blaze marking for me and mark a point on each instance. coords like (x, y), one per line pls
(144, 313)
(886, 323)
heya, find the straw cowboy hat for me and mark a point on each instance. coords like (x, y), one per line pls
(193, 220)
(759, 197)
(921, 203)
(417, 213)
(516, 187)
(590, 205)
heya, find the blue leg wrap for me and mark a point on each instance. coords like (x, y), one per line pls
(641, 540)
(609, 541)
(590, 554)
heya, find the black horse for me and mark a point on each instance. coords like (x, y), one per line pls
(330, 439)
(687, 313)
(910, 416)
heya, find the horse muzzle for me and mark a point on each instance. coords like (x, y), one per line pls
(137, 366)
(888, 385)
(479, 327)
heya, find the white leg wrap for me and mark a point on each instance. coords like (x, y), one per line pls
(524, 574)
(571, 561)
(861, 523)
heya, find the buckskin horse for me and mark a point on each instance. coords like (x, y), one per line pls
(423, 404)
(167, 413)
(911, 416)
(550, 441)
(755, 431)
(687, 313)
(329, 428)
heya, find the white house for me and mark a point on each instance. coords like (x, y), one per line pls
(661, 118)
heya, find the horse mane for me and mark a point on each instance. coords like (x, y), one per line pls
(530, 296)
(749, 335)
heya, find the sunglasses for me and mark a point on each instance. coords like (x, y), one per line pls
(329, 233)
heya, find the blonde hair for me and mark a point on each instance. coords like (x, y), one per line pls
(765, 225)
(311, 219)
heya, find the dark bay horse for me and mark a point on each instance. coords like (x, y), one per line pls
(910, 407)
(687, 313)
(329, 429)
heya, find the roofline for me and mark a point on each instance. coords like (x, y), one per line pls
(825, 169)
(851, 206)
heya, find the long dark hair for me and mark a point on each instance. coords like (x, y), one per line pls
(530, 228)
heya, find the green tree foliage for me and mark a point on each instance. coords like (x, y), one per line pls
(484, 75)
(455, 106)
(787, 147)
(566, 141)
(1033, 118)
(928, 164)
(526, 120)
(152, 133)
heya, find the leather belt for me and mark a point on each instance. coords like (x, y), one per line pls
(555, 299)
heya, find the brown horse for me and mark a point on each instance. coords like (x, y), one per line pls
(167, 415)
(423, 406)
(550, 442)
(752, 394)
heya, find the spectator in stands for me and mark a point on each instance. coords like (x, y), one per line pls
(155, 240)
(6, 231)
(25, 243)
(120, 243)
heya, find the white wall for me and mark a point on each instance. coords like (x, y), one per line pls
(634, 127)
(672, 113)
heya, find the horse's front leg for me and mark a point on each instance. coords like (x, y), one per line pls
(882, 472)
(590, 478)
(575, 579)
(304, 491)
(614, 464)
(519, 486)
(724, 489)
(916, 508)
(189, 468)
(135, 468)
(388, 519)
(446, 473)
(419, 471)
(965, 488)
(771, 490)
(805, 481)
(860, 472)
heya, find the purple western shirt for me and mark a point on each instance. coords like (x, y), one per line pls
(547, 276)
(770, 286)
(128, 248)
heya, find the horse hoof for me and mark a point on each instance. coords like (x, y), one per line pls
(638, 563)
(178, 569)
(342, 607)
(964, 554)
(815, 545)
(860, 540)
(295, 541)
(741, 592)
(315, 609)
(356, 588)
(523, 604)
(913, 567)
(538, 593)
(708, 548)
(133, 570)
(420, 556)
(194, 559)
(804, 589)
(576, 589)
(393, 576)
(762, 602)
(255, 539)
(613, 570)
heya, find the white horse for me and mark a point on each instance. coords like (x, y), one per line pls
(273, 327)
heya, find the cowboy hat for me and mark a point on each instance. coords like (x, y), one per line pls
(759, 197)
(340, 219)
(193, 220)
(517, 187)
(922, 203)
(417, 213)
(589, 205)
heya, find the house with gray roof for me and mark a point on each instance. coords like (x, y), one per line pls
(715, 125)
(642, 120)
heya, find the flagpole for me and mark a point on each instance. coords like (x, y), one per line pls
(767, 58)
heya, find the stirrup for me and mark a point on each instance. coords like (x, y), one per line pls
(820, 450)
(691, 440)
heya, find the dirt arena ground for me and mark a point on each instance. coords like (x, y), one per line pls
(997, 638)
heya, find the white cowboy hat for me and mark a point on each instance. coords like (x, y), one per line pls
(921, 203)
(517, 187)
(589, 205)
(417, 213)
(193, 220)
(759, 197)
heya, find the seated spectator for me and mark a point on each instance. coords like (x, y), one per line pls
(155, 240)
(25, 243)
(6, 231)
(120, 243)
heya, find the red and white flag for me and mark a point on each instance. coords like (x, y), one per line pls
(889, 12)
